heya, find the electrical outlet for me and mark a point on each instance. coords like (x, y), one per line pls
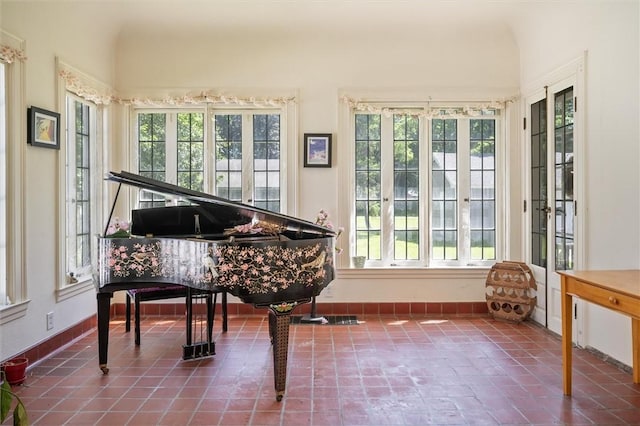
(49, 320)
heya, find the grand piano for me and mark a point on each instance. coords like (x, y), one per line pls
(208, 243)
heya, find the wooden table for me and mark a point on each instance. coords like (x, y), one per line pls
(618, 290)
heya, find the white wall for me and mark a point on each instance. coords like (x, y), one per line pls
(321, 66)
(89, 47)
(608, 31)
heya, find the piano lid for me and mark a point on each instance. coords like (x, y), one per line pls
(222, 212)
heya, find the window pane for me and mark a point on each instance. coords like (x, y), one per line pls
(405, 186)
(190, 145)
(79, 186)
(151, 154)
(228, 150)
(266, 164)
(482, 190)
(368, 185)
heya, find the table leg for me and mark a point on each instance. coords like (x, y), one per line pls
(567, 304)
(635, 342)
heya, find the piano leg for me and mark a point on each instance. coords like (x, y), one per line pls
(279, 331)
(104, 308)
(224, 312)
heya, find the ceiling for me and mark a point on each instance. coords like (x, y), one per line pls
(148, 16)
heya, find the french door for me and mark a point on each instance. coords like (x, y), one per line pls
(551, 206)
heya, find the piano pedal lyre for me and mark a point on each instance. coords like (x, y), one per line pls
(205, 346)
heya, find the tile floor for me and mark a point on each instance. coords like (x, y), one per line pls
(383, 371)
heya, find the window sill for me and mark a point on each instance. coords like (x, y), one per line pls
(385, 273)
(13, 312)
(72, 290)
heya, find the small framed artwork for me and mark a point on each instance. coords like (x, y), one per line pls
(317, 149)
(43, 128)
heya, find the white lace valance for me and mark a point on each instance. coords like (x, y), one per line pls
(474, 109)
(206, 97)
(10, 54)
(87, 91)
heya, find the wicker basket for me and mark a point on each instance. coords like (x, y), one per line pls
(511, 291)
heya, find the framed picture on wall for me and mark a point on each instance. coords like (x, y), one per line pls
(43, 128)
(317, 149)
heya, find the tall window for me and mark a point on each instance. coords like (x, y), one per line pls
(13, 288)
(80, 153)
(3, 189)
(414, 212)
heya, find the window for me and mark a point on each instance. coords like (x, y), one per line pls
(4, 299)
(13, 289)
(414, 212)
(82, 162)
(81, 151)
(245, 164)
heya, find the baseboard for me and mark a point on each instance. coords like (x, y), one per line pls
(399, 308)
(57, 341)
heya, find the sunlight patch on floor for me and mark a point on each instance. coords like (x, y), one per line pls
(434, 321)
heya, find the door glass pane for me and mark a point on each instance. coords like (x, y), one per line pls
(539, 200)
(563, 159)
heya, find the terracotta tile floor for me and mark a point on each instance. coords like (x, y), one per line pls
(384, 371)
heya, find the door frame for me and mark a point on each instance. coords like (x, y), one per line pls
(570, 74)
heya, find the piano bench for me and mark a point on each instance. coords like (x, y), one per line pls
(160, 293)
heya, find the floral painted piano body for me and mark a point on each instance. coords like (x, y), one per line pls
(208, 243)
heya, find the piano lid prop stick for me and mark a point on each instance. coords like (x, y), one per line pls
(196, 218)
(113, 206)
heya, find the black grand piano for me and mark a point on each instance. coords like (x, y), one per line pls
(207, 243)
